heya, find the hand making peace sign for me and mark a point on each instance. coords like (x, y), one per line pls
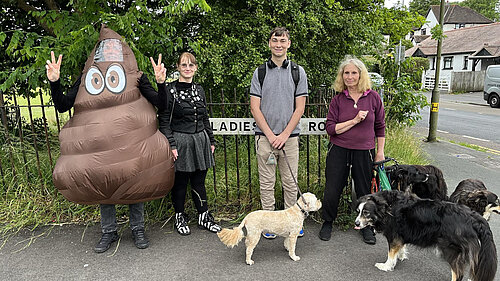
(53, 68)
(160, 70)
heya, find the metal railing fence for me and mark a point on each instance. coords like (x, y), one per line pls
(30, 146)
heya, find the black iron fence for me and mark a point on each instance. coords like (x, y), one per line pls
(30, 146)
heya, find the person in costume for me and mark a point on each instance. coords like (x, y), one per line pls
(111, 150)
(185, 123)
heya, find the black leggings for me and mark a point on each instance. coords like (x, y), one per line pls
(198, 191)
(339, 162)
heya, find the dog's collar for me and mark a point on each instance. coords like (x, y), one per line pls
(306, 213)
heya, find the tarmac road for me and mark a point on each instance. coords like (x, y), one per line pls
(65, 252)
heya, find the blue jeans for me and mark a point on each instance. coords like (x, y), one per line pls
(108, 217)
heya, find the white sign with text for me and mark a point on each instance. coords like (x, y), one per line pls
(245, 126)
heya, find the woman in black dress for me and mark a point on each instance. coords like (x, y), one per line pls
(185, 123)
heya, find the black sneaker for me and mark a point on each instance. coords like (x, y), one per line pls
(181, 224)
(368, 235)
(140, 239)
(326, 231)
(206, 221)
(106, 240)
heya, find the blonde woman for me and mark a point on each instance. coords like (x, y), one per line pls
(355, 124)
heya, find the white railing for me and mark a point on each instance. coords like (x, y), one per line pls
(428, 82)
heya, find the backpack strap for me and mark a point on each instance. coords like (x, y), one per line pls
(261, 72)
(295, 74)
(173, 104)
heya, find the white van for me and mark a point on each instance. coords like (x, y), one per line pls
(492, 85)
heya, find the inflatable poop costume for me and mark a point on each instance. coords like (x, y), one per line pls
(111, 149)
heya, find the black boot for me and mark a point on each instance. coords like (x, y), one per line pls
(181, 224)
(106, 240)
(368, 235)
(140, 239)
(326, 231)
(206, 220)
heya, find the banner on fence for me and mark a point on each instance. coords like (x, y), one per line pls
(245, 126)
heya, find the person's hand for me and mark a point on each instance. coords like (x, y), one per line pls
(213, 148)
(53, 67)
(361, 116)
(160, 70)
(174, 152)
(280, 140)
(271, 139)
(379, 156)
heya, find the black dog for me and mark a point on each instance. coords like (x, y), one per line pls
(425, 181)
(461, 235)
(473, 193)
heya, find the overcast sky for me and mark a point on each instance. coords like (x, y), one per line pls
(391, 3)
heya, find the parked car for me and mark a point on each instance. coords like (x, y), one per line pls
(377, 83)
(492, 85)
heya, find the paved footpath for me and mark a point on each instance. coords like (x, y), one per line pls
(65, 252)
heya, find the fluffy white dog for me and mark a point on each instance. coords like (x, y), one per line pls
(286, 223)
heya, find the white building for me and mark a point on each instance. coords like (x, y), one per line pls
(469, 49)
(455, 17)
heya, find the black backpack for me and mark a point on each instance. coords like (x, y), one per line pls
(261, 71)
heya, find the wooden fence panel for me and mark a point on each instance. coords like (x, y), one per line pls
(467, 81)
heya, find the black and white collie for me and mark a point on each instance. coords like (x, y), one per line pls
(461, 235)
(473, 194)
(426, 181)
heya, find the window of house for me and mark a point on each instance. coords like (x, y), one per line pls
(433, 63)
(448, 63)
(459, 25)
(466, 63)
(422, 32)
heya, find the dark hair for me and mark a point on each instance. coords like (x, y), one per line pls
(279, 31)
(187, 55)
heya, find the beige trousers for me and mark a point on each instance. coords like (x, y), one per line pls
(267, 173)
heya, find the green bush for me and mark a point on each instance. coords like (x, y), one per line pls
(401, 100)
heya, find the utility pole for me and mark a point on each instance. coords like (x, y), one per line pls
(433, 120)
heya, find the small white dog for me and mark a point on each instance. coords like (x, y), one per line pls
(286, 223)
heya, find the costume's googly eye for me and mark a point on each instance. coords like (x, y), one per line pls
(94, 82)
(115, 78)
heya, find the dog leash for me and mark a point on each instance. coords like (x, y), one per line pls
(306, 213)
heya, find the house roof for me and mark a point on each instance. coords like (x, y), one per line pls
(420, 38)
(487, 52)
(459, 14)
(460, 41)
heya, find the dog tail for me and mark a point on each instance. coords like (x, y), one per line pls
(483, 263)
(231, 237)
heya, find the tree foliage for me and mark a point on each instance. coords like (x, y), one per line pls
(402, 103)
(229, 38)
(422, 6)
(398, 22)
(487, 8)
(31, 29)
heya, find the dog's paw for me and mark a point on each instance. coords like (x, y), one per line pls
(249, 262)
(295, 258)
(383, 267)
(403, 256)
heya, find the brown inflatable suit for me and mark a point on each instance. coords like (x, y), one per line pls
(111, 149)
